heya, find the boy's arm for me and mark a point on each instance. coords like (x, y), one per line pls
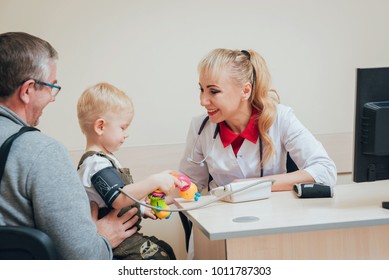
(108, 183)
(163, 181)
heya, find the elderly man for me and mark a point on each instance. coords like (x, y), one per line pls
(40, 187)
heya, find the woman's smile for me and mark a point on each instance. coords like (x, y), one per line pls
(212, 112)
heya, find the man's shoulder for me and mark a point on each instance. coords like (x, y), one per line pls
(11, 124)
(36, 142)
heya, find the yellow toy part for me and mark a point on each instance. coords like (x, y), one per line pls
(163, 214)
(191, 193)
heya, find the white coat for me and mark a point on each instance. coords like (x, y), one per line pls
(288, 135)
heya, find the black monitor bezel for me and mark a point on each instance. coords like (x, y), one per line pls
(372, 85)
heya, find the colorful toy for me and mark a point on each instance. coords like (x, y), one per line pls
(188, 191)
(157, 199)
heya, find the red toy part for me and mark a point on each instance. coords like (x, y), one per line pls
(189, 193)
(188, 190)
(185, 181)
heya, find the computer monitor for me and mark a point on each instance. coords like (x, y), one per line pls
(371, 134)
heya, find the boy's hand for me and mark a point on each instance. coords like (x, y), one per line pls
(149, 213)
(166, 182)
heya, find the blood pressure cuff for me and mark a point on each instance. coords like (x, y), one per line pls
(107, 182)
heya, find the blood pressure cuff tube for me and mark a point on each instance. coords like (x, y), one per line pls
(313, 190)
(107, 183)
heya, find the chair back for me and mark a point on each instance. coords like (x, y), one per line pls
(25, 243)
(290, 164)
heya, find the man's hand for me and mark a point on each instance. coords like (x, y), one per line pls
(115, 228)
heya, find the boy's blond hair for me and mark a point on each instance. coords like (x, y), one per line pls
(98, 100)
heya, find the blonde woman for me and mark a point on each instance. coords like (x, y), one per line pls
(246, 132)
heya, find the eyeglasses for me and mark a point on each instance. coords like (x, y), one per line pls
(54, 88)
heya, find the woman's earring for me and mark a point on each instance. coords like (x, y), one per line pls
(245, 96)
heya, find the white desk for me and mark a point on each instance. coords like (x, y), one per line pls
(351, 225)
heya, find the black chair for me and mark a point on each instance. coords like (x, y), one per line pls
(25, 243)
(290, 165)
(187, 225)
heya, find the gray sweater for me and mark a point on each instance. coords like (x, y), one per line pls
(41, 189)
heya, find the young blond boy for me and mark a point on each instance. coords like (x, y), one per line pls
(104, 114)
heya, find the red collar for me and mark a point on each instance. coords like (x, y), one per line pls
(250, 133)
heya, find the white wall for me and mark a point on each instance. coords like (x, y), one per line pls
(150, 49)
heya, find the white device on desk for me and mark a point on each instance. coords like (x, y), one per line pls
(233, 192)
(236, 192)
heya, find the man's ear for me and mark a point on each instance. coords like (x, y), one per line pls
(99, 126)
(25, 91)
